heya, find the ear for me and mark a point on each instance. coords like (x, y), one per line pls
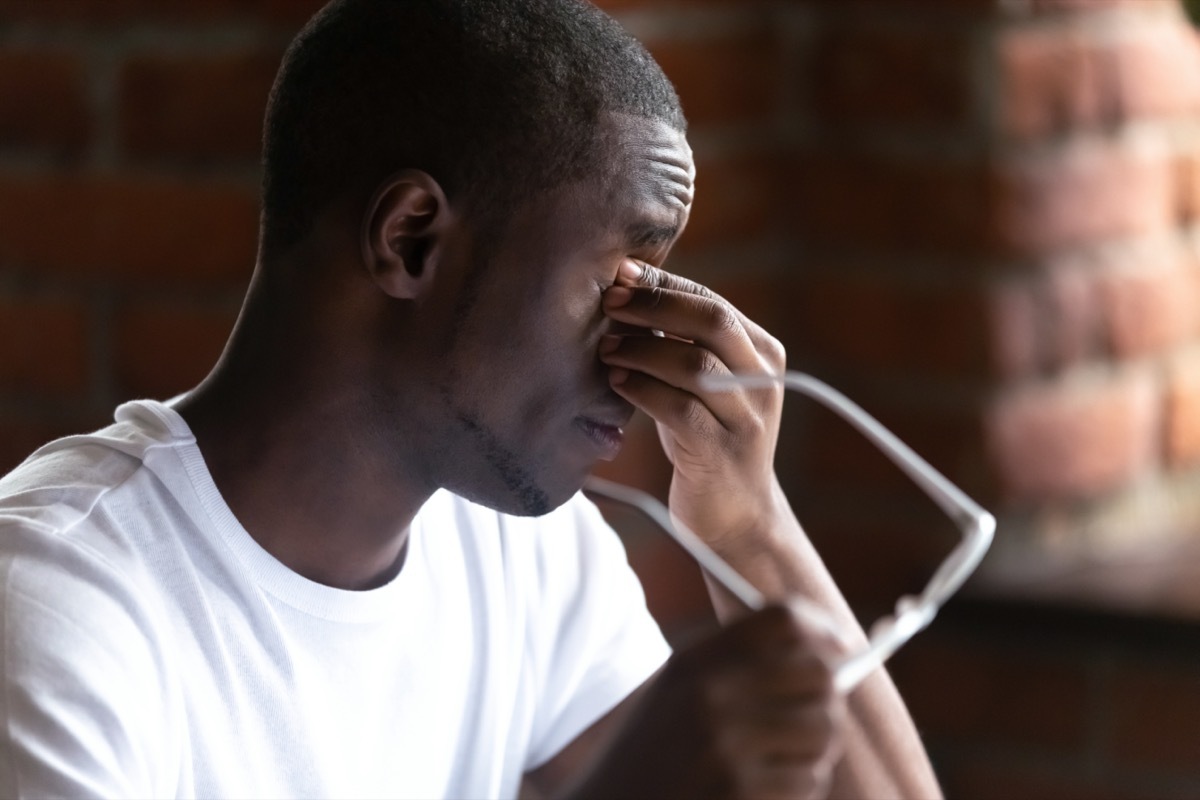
(402, 228)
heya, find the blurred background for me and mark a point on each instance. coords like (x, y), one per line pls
(978, 218)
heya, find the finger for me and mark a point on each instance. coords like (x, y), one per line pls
(635, 273)
(710, 322)
(674, 408)
(681, 365)
(759, 635)
(801, 736)
(786, 782)
(780, 682)
(784, 762)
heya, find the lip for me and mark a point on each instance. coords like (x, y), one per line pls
(606, 435)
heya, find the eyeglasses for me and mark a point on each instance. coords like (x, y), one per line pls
(913, 612)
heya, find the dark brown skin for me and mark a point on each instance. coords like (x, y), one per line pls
(748, 713)
(357, 383)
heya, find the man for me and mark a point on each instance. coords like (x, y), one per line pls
(354, 562)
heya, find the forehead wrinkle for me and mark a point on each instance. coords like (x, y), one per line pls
(658, 166)
(669, 182)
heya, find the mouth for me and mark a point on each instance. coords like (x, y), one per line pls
(607, 437)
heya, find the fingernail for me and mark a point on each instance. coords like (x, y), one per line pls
(617, 376)
(608, 343)
(617, 295)
(630, 269)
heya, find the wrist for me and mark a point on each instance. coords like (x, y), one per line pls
(769, 530)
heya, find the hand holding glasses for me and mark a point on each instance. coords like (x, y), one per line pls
(913, 612)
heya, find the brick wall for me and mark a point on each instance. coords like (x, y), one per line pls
(129, 137)
(977, 217)
(1049, 704)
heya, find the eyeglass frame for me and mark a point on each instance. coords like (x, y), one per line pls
(913, 613)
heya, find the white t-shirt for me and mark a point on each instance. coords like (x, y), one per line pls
(151, 648)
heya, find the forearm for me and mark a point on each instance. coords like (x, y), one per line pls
(884, 757)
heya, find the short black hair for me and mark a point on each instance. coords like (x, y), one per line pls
(496, 99)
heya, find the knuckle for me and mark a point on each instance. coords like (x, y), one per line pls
(826, 729)
(773, 351)
(690, 410)
(655, 298)
(652, 276)
(721, 318)
(702, 361)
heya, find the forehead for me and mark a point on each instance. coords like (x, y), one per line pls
(649, 168)
(639, 197)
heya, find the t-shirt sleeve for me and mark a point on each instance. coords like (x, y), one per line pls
(595, 641)
(81, 712)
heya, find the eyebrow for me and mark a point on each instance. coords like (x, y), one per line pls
(651, 234)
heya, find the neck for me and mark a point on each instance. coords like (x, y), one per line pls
(299, 452)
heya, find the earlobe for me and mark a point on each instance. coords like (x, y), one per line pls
(402, 228)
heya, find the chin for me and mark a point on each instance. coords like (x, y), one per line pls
(511, 479)
(518, 494)
(534, 500)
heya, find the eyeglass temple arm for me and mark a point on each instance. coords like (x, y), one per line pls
(704, 555)
(962, 509)
(977, 525)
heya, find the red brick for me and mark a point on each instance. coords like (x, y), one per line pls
(1158, 73)
(1055, 80)
(43, 346)
(994, 695)
(900, 205)
(958, 7)
(737, 199)
(737, 79)
(1045, 323)
(998, 778)
(877, 558)
(1151, 309)
(43, 102)
(1186, 168)
(840, 459)
(1049, 83)
(1075, 6)
(195, 108)
(867, 320)
(766, 298)
(160, 230)
(122, 11)
(162, 351)
(1183, 414)
(871, 78)
(1156, 716)
(885, 324)
(1064, 440)
(292, 12)
(1085, 195)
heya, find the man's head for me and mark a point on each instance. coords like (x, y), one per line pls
(497, 160)
(495, 99)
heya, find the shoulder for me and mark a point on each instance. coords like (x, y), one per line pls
(61, 484)
(69, 567)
